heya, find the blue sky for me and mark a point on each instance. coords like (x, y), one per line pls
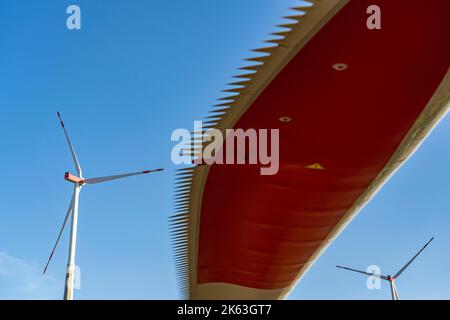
(134, 73)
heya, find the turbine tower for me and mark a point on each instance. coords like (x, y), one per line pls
(389, 278)
(79, 182)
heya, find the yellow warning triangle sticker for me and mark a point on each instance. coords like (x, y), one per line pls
(315, 166)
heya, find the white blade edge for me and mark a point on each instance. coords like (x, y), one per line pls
(413, 258)
(68, 214)
(363, 272)
(72, 149)
(120, 176)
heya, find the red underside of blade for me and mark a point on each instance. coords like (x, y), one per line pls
(258, 231)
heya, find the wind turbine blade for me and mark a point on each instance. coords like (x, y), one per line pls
(413, 258)
(120, 176)
(363, 272)
(72, 149)
(69, 212)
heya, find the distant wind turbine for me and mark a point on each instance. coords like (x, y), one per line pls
(390, 278)
(78, 182)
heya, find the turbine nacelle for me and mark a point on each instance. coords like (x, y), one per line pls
(390, 278)
(73, 179)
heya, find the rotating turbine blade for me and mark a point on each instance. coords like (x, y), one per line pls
(363, 272)
(72, 149)
(413, 258)
(68, 214)
(120, 176)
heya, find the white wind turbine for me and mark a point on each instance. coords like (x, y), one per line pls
(78, 182)
(389, 278)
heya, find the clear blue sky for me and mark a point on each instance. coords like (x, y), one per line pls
(136, 71)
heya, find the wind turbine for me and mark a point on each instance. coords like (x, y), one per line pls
(390, 278)
(79, 182)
